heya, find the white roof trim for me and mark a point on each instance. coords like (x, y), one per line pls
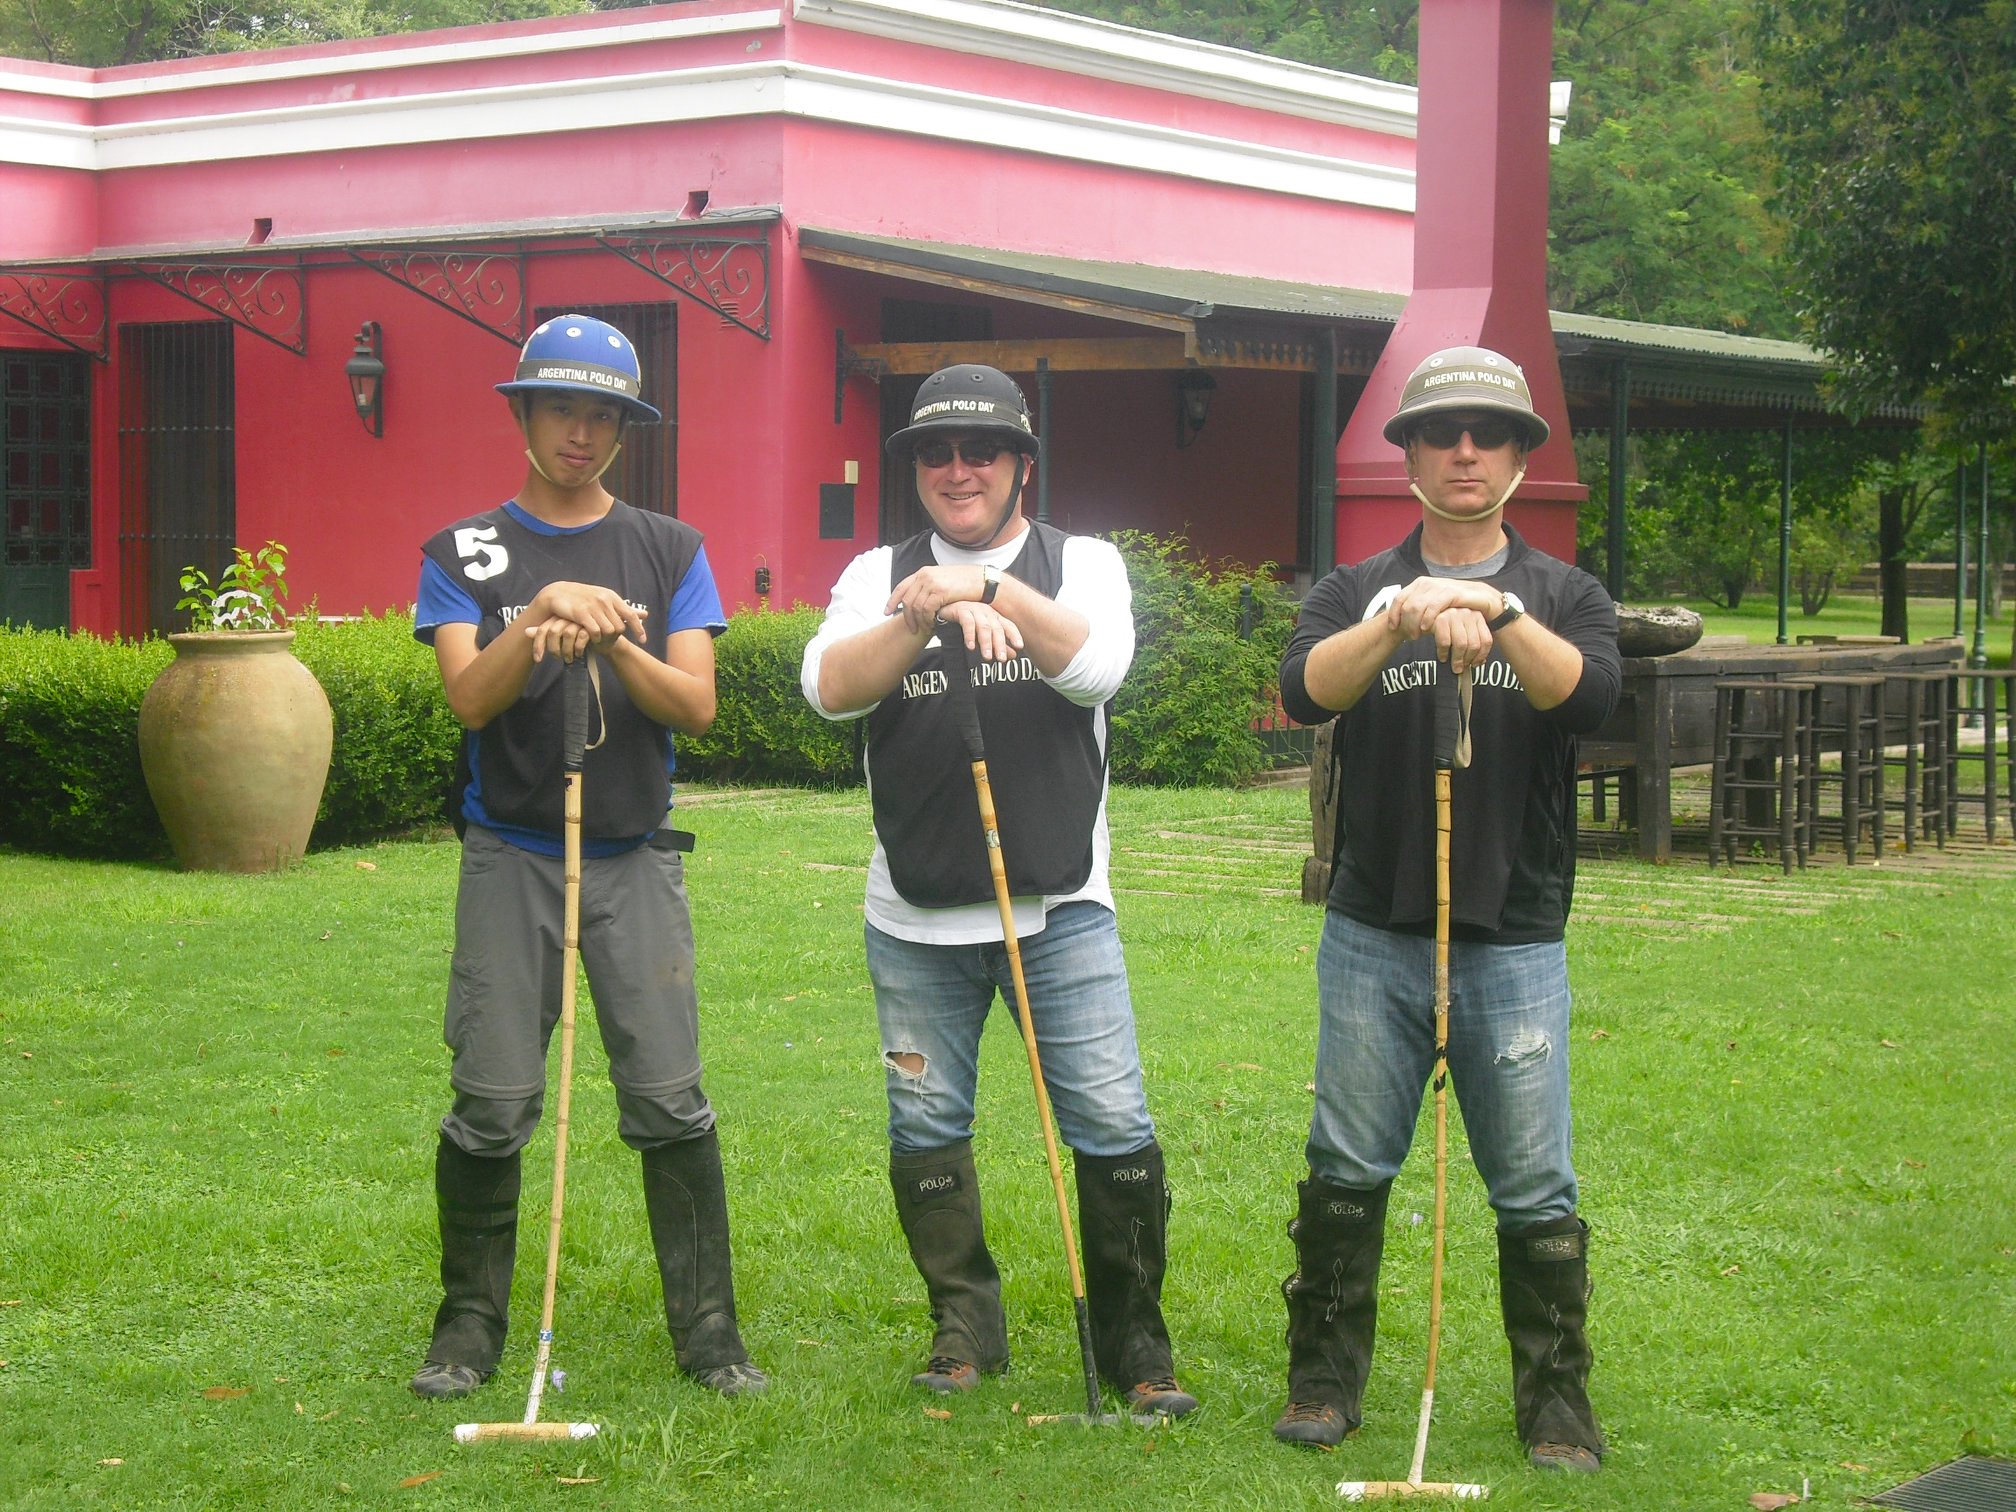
(1126, 55)
(263, 68)
(772, 86)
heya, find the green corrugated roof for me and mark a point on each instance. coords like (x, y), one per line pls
(1201, 293)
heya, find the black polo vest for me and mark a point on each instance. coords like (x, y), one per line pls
(626, 783)
(1045, 761)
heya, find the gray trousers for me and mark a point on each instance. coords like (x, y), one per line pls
(504, 992)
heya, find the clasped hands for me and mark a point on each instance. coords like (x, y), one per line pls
(571, 619)
(1454, 610)
(951, 595)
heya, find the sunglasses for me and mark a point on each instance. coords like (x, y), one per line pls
(1485, 435)
(974, 453)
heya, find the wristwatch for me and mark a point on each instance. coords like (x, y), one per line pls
(1513, 610)
(991, 578)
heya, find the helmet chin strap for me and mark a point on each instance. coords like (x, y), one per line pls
(1440, 513)
(1022, 467)
(523, 410)
(614, 452)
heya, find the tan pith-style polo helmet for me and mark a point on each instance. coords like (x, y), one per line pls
(1466, 378)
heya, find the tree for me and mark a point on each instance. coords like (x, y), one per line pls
(1375, 37)
(1658, 208)
(1896, 124)
(103, 33)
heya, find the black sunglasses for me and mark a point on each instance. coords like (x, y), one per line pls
(1485, 435)
(974, 452)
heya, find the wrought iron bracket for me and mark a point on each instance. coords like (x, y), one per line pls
(729, 275)
(485, 288)
(269, 299)
(847, 363)
(65, 306)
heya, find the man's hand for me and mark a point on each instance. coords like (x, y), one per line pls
(598, 611)
(922, 597)
(1454, 611)
(985, 629)
(565, 639)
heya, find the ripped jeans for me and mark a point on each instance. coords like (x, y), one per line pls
(1508, 1062)
(932, 1002)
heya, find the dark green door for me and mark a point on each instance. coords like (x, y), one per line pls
(45, 483)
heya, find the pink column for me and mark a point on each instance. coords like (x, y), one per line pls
(1480, 265)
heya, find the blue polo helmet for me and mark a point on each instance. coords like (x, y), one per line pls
(583, 355)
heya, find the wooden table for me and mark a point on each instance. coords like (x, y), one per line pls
(1666, 715)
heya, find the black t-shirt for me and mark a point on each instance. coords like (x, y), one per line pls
(1512, 845)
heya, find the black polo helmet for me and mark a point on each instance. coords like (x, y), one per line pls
(966, 399)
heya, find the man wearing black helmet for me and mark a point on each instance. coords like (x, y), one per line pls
(561, 571)
(1464, 592)
(1045, 617)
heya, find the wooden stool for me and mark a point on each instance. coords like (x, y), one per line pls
(1848, 716)
(1599, 779)
(1983, 695)
(1763, 742)
(1920, 698)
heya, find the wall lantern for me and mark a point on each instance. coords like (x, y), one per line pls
(366, 372)
(1193, 403)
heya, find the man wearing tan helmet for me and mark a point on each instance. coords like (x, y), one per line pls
(1464, 592)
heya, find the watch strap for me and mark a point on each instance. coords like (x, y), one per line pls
(1513, 610)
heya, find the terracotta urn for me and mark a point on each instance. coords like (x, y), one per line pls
(235, 737)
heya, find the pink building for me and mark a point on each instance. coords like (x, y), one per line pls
(1191, 256)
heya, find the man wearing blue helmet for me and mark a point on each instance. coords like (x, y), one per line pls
(561, 571)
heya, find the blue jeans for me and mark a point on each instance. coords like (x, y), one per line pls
(932, 1002)
(1508, 1062)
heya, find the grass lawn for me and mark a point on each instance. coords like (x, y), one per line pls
(217, 1108)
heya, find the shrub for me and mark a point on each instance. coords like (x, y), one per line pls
(1207, 645)
(763, 728)
(69, 744)
(395, 745)
(1185, 715)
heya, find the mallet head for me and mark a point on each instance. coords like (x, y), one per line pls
(1378, 1490)
(476, 1433)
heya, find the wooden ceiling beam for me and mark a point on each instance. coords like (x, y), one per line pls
(1090, 354)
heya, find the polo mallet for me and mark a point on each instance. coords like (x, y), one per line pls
(959, 673)
(1452, 749)
(574, 745)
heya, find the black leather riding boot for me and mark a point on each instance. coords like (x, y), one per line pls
(477, 1199)
(1123, 1219)
(687, 1200)
(938, 1204)
(1333, 1309)
(1543, 1293)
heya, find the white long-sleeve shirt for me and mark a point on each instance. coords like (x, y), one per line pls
(1095, 585)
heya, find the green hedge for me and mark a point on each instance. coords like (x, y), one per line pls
(395, 741)
(763, 728)
(69, 736)
(69, 744)
(1207, 644)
